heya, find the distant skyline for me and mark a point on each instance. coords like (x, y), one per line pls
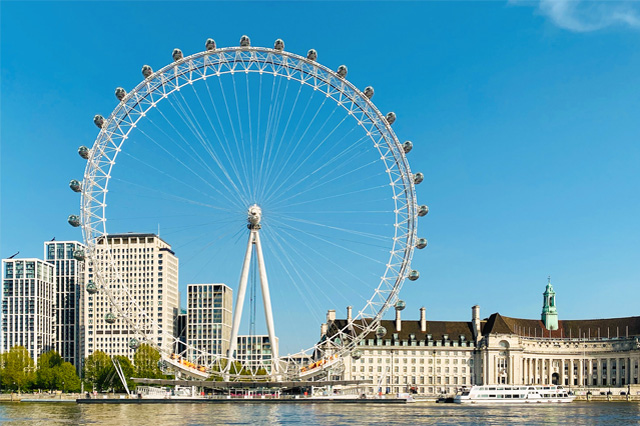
(523, 117)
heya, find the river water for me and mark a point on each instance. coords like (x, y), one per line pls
(576, 413)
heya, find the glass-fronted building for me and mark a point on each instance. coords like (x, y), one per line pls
(208, 321)
(28, 300)
(69, 279)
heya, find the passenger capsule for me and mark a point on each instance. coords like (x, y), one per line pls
(417, 178)
(120, 93)
(279, 44)
(400, 305)
(75, 186)
(356, 354)
(74, 220)
(134, 343)
(423, 210)
(78, 255)
(413, 275)
(342, 71)
(312, 55)
(407, 147)
(391, 117)
(98, 120)
(337, 341)
(381, 332)
(147, 71)
(177, 54)
(210, 44)
(245, 41)
(421, 243)
(110, 318)
(91, 288)
(83, 152)
(368, 92)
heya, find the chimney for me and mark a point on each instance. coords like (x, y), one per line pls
(475, 318)
(331, 315)
(323, 329)
(349, 313)
(423, 320)
(398, 321)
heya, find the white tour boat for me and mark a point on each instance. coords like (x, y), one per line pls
(513, 394)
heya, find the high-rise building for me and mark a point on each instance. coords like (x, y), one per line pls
(28, 299)
(148, 268)
(181, 331)
(208, 321)
(69, 279)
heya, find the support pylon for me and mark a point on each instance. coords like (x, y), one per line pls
(254, 217)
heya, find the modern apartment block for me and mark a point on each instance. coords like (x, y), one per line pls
(28, 299)
(208, 321)
(146, 266)
(69, 287)
(255, 351)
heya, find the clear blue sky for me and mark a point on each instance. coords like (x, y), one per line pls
(524, 117)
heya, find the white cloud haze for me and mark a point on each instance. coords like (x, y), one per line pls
(585, 15)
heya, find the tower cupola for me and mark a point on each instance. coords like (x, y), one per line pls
(549, 311)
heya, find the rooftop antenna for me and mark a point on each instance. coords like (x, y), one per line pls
(13, 255)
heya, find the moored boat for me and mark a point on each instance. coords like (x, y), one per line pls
(514, 394)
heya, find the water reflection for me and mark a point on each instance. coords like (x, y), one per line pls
(35, 414)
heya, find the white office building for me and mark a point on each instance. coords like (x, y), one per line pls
(69, 279)
(148, 268)
(28, 299)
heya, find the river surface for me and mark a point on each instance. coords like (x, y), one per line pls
(576, 413)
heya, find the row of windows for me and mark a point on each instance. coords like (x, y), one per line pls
(398, 360)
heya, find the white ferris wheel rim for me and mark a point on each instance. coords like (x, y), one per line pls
(279, 63)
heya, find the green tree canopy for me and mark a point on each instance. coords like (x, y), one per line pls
(66, 378)
(128, 371)
(17, 373)
(48, 363)
(146, 361)
(97, 368)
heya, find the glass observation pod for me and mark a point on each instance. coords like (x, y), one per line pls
(91, 287)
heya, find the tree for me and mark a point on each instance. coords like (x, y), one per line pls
(127, 371)
(146, 361)
(17, 373)
(46, 372)
(97, 368)
(66, 378)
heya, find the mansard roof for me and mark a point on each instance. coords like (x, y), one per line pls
(590, 328)
(437, 329)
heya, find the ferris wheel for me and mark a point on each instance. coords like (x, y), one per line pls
(263, 168)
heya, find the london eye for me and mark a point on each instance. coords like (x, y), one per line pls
(267, 171)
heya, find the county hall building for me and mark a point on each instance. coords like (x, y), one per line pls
(441, 357)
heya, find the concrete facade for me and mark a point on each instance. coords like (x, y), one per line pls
(148, 268)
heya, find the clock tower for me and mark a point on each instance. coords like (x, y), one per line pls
(549, 311)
